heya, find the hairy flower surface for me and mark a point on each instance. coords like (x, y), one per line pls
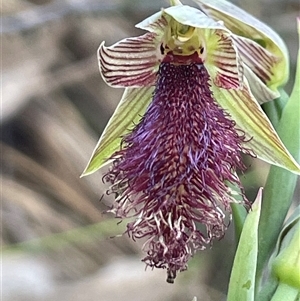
(188, 112)
(172, 167)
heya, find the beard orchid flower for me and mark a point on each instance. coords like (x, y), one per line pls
(193, 87)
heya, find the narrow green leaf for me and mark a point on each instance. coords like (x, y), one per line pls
(79, 236)
(128, 113)
(242, 279)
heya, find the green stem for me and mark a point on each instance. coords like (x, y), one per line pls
(57, 241)
(274, 108)
(286, 293)
(280, 186)
(268, 289)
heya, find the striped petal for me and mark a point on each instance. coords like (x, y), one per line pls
(250, 118)
(261, 61)
(259, 90)
(222, 61)
(128, 113)
(132, 62)
(243, 24)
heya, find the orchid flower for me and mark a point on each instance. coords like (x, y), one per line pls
(194, 83)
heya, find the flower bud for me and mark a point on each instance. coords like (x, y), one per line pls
(286, 265)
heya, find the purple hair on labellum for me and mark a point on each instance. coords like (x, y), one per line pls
(171, 171)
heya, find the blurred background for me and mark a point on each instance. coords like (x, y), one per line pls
(57, 242)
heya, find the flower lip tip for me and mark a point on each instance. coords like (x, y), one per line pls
(171, 277)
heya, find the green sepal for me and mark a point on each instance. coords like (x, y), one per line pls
(127, 114)
(250, 118)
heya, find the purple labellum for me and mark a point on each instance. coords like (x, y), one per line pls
(171, 171)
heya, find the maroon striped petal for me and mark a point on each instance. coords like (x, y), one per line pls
(261, 61)
(223, 62)
(243, 24)
(132, 62)
(260, 91)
